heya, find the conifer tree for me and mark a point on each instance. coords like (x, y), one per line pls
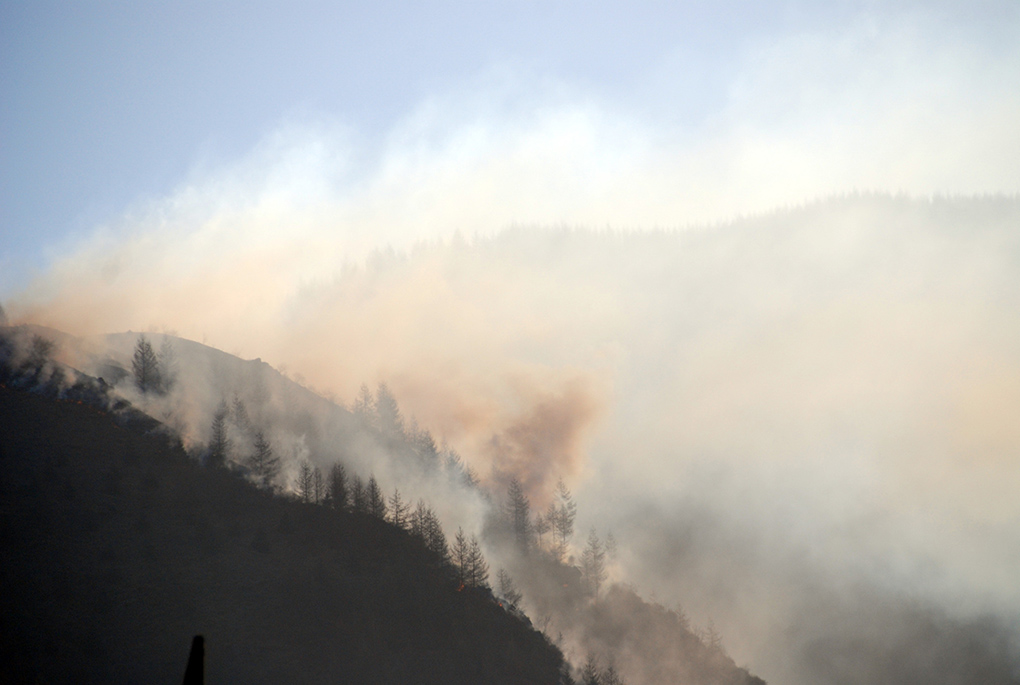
(519, 515)
(593, 564)
(387, 413)
(508, 589)
(682, 618)
(304, 482)
(399, 510)
(590, 671)
(40, 352)
(318, 486)
(435, 539)
(219, 443)
(610, 677)
(263, 464)
(562, 512)
(337, 493)
(611, 550)
(459, 556)
(541, 526)
(145, 366)
(477, 574)
(364, 407)
(457, 470)
(168, 365)
(374, 502)
(425, 525)
(424, 445)
(417, 521)
(359, 502)
(712, 638)
(239, 414)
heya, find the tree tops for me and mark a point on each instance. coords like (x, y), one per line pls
(219, 443)
(518, 511)
(145, 366)
(154, 373)
(560, 519)
(468, 561)
(263, 465)
(593, 564)
(425, 525)
(311, 487)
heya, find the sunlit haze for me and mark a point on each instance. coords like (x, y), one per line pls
(747, 278)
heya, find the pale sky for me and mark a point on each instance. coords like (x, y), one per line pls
(746, 105)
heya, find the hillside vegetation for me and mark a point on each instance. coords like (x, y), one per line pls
(118, 548)
(120, 545)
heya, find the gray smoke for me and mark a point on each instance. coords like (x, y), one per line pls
(797, 425)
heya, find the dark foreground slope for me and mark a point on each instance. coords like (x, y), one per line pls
(117, 549)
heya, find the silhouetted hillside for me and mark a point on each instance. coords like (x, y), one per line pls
(118, 548)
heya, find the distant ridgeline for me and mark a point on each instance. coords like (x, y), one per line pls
(119, 545)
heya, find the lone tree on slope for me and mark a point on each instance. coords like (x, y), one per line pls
(390, 422)
(518, 511)
(477, 572)
(374, 501)
(219, 443)
(145, 366)
(399, 510)
(305, 483)
(593, 564)
(262, 463)
(459, 555)
(337, 490)
(561, 515)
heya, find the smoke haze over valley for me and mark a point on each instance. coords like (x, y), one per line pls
(770, 341)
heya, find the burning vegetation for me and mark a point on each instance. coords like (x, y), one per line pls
(543, 581)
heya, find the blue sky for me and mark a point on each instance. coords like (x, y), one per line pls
(106, 105)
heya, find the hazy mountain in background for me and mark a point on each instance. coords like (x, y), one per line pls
(796, 425)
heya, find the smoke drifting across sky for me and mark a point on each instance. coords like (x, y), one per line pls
(812, 405)
(632, 116)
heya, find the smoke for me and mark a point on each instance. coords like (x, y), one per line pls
(803, 411)
(545, 445)
(799, 424)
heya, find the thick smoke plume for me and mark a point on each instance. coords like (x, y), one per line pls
(802, 412)
(799, 424)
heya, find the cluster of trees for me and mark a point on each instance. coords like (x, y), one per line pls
(310, 485)
(472, 569)
(380, 415)
(261, 462)
(529, 531)
(382, 610)
(508, 589)
(349, 493)
(27, 360)
(548, 534)
(592, 673)
(154, 372)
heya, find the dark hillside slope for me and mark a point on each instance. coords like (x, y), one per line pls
(117, 549)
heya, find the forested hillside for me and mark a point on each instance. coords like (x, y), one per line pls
(120, 545)
(118, 548)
